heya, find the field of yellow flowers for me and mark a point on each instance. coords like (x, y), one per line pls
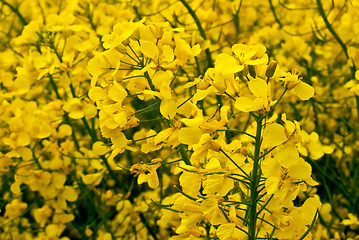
(179, 119)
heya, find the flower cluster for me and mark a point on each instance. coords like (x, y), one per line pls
(179, 120)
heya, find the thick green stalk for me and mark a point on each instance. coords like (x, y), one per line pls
(255, 181)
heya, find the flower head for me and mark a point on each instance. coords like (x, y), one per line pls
(292, 81)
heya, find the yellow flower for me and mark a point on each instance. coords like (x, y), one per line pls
(259, 100)
(29, 34)
(15, 208)
(116, 92)
(326, 212)
(115, 116)
(250, 55)
(228, 231)
(223, 83)
(243, 55)
(147, 172)
(276, 174)
(78, 109)
(184, 51)
(119, 141)
(211, 210)
(169, 134)
(68, 193)
(150, 145)
(293, 225)
(41, 215)
(54, 230)
(105, 64)
(121, 32)
(149, 49)
(353, 84)
(92, 179)
(163, 55)
(38, 180)
(292, 81)
(274, 134)
(191, 216)
(311, 145)
(190, 179)
(352, 221)
(99, 148)
(161, 81)
(273, 172)
(218, 184)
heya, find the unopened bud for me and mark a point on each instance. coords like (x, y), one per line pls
(122, 48)
(252, 71)
(157, 31)
(271, 68)
(136, 35)
(220, 87)
(126, 42)
(244, 72)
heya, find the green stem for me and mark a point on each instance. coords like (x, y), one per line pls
(310, 226)
(66, 117)
(180, 147)
(331, 29)
(236, 20)
(16, 11)
(255, 181)
(53, 85)
(149, 80)
(90, 131)
(184, 154)
(273, 107)
(200, 29)
(236, 131)
(203, 35)
(35, 158)
(341, 43)
(275, 14)
(245, 174)
(148, 227)
(338, 184)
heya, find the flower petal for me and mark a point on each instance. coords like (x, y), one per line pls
(227, 64)
(274, 134)
(304, 91)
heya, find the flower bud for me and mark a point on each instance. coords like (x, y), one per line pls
(271, 68)
(126, 42)
(245, 71)
(252, 71)
(135, 35)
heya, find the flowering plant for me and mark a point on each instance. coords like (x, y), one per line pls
(178, 120)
